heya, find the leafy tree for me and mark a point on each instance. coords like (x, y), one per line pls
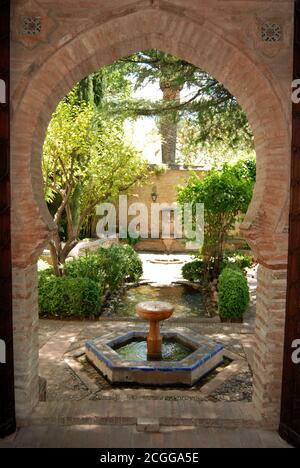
(216, 137)
(85, 162)
(225, 193)
(110, 83)
(211, 116)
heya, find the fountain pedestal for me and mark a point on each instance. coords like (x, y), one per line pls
(154, 312)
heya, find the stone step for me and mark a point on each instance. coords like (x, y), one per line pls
(166, 413)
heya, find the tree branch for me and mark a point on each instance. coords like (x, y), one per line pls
(65, 199)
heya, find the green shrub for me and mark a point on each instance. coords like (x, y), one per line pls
(226, 194)
(193, 271)
(234, 294)
(134, 263)
(238, 260)
(110, 267)
(89, 266)
(132, 241)
(120, 263)
(79, 293)
(67, 297)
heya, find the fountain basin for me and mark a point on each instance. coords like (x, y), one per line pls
(203, 356)
(155, 311)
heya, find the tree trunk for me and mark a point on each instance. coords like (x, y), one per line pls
(168, 126)
(55, 259)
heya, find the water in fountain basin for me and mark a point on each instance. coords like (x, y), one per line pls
(136, 350)
(189, 301)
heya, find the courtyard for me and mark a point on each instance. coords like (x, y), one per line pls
(70, 377)
(149, 228)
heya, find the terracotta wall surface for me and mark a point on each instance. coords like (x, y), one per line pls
(164, 185)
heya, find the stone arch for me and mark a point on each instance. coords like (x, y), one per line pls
(100, 45)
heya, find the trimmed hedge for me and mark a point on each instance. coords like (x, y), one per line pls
(67, 297)
(79, 292)
(234, 294)
(199, 270)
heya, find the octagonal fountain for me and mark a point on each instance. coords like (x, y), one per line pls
(159, 357)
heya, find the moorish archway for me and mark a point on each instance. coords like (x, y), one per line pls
(66, 58)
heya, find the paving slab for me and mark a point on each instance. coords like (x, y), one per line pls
(91, 436)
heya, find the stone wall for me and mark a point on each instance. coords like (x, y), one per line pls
(245, 45)
(164, 184)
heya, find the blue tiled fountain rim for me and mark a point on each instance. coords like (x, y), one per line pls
(166, 366)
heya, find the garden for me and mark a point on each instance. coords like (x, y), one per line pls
(89, 285)
(85, 287)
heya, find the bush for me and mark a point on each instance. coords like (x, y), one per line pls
(79, 293)
(234, 294)
(120, 263)
(225, 193)
(238, 260)
(202, 270)
(109, 267)
(193, 271)
(68, 297)
(134, 263)
(89, 266)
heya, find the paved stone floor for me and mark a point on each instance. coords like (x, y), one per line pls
(163, 274)
(69, 377)
(128, 437)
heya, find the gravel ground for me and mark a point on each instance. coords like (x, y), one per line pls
(238, 388)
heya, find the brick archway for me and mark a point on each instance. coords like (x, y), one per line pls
(206, 46)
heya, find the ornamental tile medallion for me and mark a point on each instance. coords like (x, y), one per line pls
(32, 24)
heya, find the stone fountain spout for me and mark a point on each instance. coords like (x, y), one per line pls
(154, 312)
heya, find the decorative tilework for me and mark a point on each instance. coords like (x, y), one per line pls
(205, 356)
(31, 25)
(271, 32)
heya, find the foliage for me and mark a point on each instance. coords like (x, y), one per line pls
(120, 263)
(233, 293)
(89, 266)
(79, 291)
(108, 84)
(132, 241)
(133, 262)
(193, 271)
(67, 297)
(201, 269)
(110, 267)
(215, 137)
(210, 116)
(239, 260)
(225, 194)
(85, 162)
